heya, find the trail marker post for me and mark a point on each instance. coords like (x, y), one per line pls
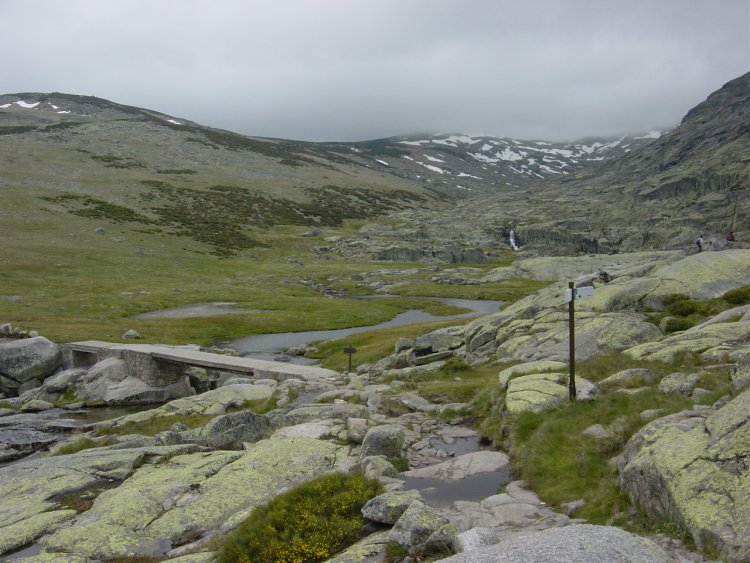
(571, 294)
(350, 350)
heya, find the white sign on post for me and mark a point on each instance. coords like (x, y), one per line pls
(580, 293)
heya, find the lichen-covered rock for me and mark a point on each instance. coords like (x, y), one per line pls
(37, 405)
(147, 514)
(230, 431)
(27, 359)
(546, 335)
(416, 525)
(363, 550)
(539, 391)
(692, 468)
(740, 372)
(389, 507)
(582, 543)
(30, 490)
(387, 440)
(539, 366)
(627, 375)
(679, 383)
(706, 341)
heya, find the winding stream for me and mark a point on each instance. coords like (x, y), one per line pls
(266, 346)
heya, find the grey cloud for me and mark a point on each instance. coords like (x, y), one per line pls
(343, 70)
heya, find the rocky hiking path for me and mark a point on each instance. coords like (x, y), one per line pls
(167, 495)
(167, 481)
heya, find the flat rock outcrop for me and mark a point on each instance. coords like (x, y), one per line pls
(693, 468)
(582, 543)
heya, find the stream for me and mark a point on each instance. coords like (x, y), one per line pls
(269, 346)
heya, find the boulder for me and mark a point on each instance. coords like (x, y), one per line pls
(387, 440)
(708, 341)
(740, 372)
(442, 340)
(31, 358)
(111, 381)
(539, 366)
(679, 383)
(37, 405)
(582, 543)
(536, 392)
(416, 525)
(691, 468)
(627, 375)
(377, 466)
(473, 539)
(389, 507)
(230, 431)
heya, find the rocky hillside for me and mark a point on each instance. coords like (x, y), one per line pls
(469, 166)
(65, 154)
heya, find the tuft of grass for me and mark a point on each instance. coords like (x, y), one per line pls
(561, 464)
(154, 425)
(308, 523)
(738, 296)
(80, 444)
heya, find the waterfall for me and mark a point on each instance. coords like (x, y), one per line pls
(513, 244)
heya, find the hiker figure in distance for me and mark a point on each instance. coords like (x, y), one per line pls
(730, 236)
(699, 243)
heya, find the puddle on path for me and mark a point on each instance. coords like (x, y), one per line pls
(439, 493)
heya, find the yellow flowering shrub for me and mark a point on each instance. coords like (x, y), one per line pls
(306, 524)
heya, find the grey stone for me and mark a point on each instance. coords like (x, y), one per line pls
(416, 525)
(679, 383)
(579, 543)
(32, 358)
(464, 466)
(627, 375)
(690, 468)
(132, 335)
(403, 344)
(389, 507)
(473, 539)
(377, 466)
(37, 406)
(387, 440)
(229, 431)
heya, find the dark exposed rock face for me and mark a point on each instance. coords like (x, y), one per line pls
(29, 360)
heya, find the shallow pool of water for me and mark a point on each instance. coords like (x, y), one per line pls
(437, 492)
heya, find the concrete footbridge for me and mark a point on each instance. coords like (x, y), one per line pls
(145, 359)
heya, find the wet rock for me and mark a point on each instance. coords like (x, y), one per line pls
(463, 466)
(37, 406)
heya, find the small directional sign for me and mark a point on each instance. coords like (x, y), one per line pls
(350, 350)
(580, 293)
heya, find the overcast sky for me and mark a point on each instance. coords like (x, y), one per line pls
(363, 69)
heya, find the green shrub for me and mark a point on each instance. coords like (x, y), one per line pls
(738, 296)
(674, 298)
(676, 325)
(309, 523)
(683, 308)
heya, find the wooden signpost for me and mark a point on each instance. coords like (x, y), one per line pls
(350, 350)
(571, 294)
